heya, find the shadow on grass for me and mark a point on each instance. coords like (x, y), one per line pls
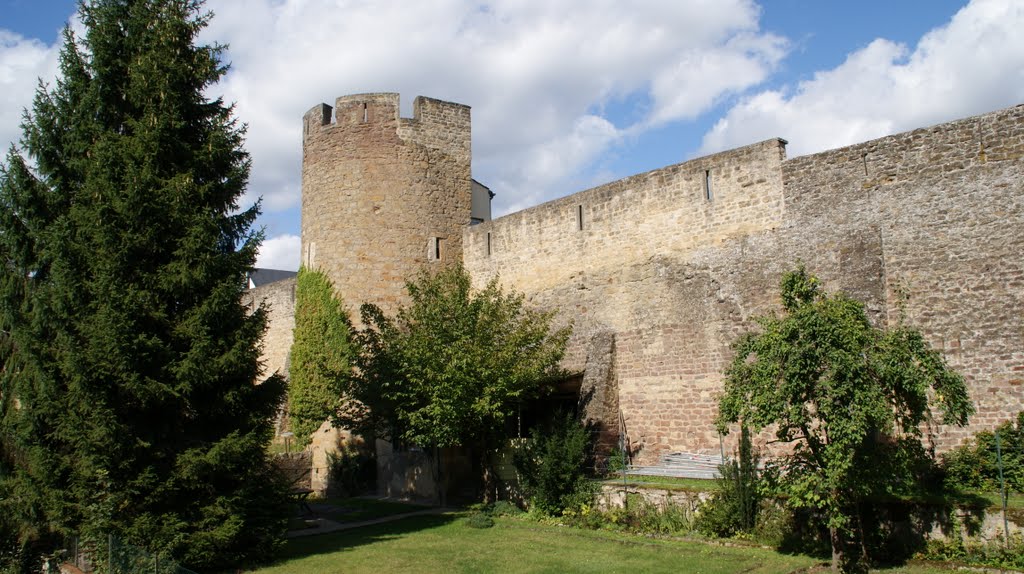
(344, 540)
(358, 509)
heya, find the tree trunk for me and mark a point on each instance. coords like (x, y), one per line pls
(836, 537)
(440, 491)
(490, 482)
(865, 559)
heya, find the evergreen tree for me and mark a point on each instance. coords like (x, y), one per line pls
(129, 362)
(321, 354)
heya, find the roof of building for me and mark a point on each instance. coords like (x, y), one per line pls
(259, 276)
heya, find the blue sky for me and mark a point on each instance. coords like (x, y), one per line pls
(570, 94)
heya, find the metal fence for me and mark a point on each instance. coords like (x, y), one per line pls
(112, 556)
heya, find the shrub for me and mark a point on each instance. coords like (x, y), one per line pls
(350, 471)
(973, 466)
(552, 466)
(992, 553)
(505, 508)
(734, 508)
(669, 519)
(774, 523)
(479, 520)
(637, 516)
(615, 462)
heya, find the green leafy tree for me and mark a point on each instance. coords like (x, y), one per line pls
(127, 389)
(321, 354)
(849, 398)
(452, 366)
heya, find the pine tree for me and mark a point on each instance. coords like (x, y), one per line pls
(129, 362)
(320, 356)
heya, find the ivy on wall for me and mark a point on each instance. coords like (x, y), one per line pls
(320, 356)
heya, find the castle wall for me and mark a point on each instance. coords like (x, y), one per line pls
(659, 273)
(379, 192)
(279, 299)
(673, 278)
(637, 274)
(662, 211)
(948, 206)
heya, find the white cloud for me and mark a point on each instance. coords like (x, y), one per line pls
(537, 74)
(281, 252)
(689, 87)
(972, 65)
(22, 62)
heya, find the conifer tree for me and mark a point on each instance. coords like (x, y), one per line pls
(128, 396)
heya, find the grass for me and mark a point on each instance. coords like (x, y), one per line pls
(1013, 500)
(446, 544)
(276, 448)
(667, 482)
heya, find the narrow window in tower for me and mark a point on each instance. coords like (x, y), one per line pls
(434, 249)
(488, 243)
(579, 217)
(707, 184)
(366, 114)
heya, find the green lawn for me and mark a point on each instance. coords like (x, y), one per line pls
(666, 482)
(446, 544)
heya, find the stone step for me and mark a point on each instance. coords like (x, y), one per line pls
(681, 465)
(672, 472)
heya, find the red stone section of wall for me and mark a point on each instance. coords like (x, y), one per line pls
(378, 192)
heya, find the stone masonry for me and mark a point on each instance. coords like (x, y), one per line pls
(382, 195)
(279, 299)
(924, 225)
(660, 272)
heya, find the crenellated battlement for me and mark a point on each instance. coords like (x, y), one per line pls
(434, 123)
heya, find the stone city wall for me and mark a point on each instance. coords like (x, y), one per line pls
(279, 299)
(674, 278)
(626, 276)
(947, 206)
(660, 272)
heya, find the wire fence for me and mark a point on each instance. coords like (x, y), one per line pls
(112, 556)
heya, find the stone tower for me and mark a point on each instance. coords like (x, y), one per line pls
(382, 195)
